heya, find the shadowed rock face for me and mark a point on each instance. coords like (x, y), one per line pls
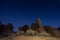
(20, 28)
(6, 28)
(25, 28)
(2, 26)
(20, 31)
(38, 21)
(52, 31)
(58, 28)
(37, 26)
(0, 22)
(9, 28)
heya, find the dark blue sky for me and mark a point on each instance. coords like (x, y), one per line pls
(20, 12)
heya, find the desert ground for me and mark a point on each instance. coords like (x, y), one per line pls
(30, 38)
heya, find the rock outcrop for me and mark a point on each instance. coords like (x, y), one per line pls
(25, 28)
(36, 29)
(6, 30)
(2, 26)
(37, 26)
(20, 31)
(0, 22)
(52, 31)
(58, 28)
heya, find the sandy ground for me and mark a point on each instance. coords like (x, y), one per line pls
(30, 38)
(35, 38)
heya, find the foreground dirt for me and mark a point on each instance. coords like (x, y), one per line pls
(35, 38)
(30, 38)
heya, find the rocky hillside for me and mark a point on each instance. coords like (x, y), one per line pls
(36, 29)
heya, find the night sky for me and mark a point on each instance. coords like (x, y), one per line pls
(21, 12)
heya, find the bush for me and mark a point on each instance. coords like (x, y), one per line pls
(20, 33)
(30, 33)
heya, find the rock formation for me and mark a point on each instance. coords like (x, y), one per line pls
(52, 31)
(8, 28)
(37, 26)
(20, 28)
(20, 31)
(38, 22)
(0, 22)
(58, 28)
(25, 28)
(2, 26)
